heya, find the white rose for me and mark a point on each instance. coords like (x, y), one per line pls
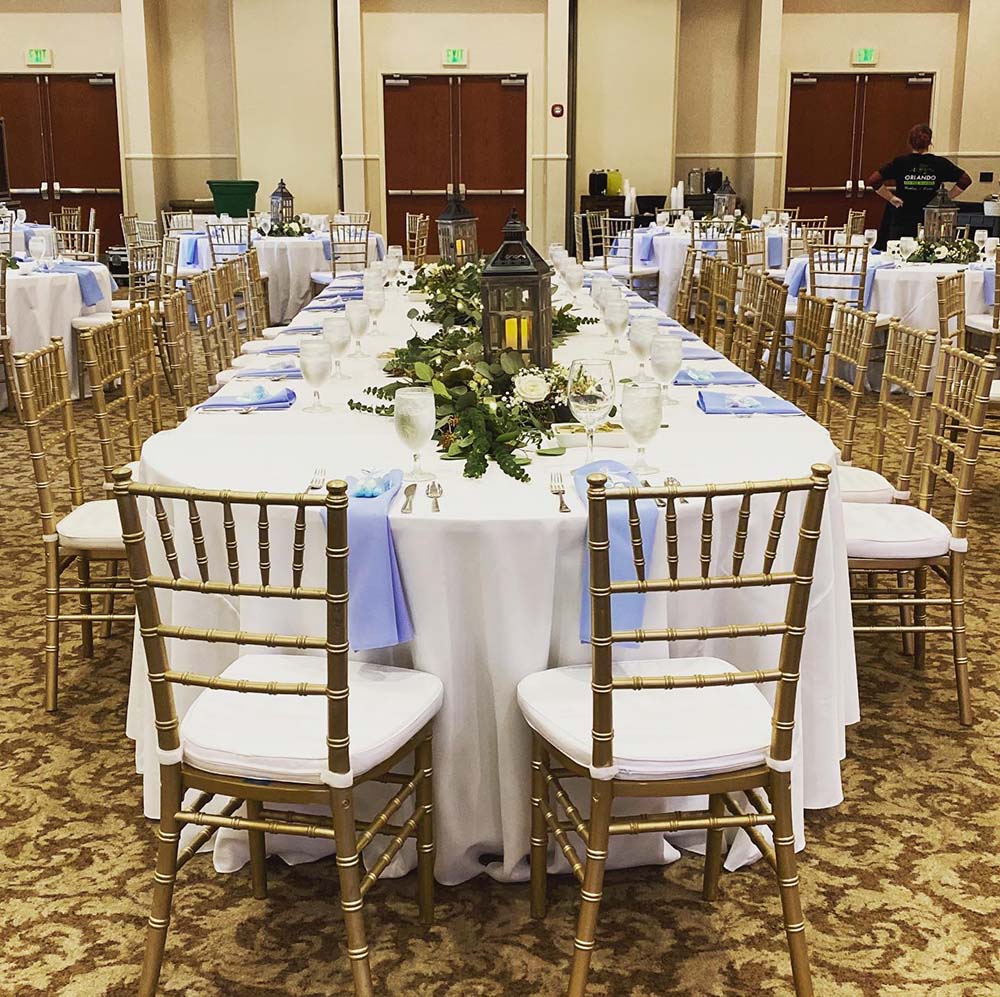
(531, 388)
(941, 252)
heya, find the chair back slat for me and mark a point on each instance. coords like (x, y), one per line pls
(838, 272)
(417, 233)
(349, 232)
(264, 545)
(232, 546)
(810, 345)
(742, 531)
(178, 348)
(846, 374)
(66, 219)
(78, 245)
(138, 341)
(951, 308)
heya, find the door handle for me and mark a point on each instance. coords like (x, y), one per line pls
(818, 190)
(56, 190)
(90, 190)
(518, 192)
(429, 193)
(43, 189)
(862, 187)
(848, 186)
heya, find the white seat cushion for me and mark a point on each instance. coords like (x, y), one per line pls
(284, 737)
(995, 391)
(643, 271)
(859, 484)
(186, 272)
(321, 276)
(93, 526)
(120, 305)
(893, 532)
(981, 323)
(658, 734)
(82, 322)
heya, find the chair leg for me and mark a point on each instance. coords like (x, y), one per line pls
(258, 853)
(51, 625)
(601, 795)
(956, 575)
(920, 618)
(906, 615)
(86, 607)
(351, 903)
(425, 831)
(168, 837)
(539, 829)
(788, 883)
(713, 849)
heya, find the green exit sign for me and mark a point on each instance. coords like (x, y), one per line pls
(865, 57)
(455, 57)
(38, 57)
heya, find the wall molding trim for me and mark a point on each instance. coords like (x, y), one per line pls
(554, 156)
(356, 156)
(147, 156)
(731, 155)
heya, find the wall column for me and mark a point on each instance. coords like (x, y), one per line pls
(352, 111)
(978, 147)
(769, 130)
(549, 165)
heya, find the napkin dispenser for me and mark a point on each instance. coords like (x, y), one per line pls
(598, 183)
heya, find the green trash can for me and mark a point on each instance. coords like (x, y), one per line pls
(235, 198)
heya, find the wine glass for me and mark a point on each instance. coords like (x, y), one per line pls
(37, 247)
(641, 414)
(591, 395)
(784, 217)
(357, 317)
(392, 264)
(642, 331)
(337, 333)
(907, 245)
(665, 357)
(264, 224)
(315, 359)
(871, 237)
(553, 247)
(375, 299)
(22, 216)
(979, 238)
(767, 219)
(574, 279)
(616, 319)
(414, 417)
(990, 250)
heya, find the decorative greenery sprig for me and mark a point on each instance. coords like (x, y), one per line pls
(944, 251)
(293, 227)
(454, 294)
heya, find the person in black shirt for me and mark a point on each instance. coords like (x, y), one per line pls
(917, 177)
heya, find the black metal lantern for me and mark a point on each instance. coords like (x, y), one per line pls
(282, 203)
(517, 299)
(724, 201)
(457, 236)
(940, 217)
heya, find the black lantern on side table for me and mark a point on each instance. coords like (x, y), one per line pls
(724, 201)
(940, 217)
(457, 235)
(282, 204)
(517, 299)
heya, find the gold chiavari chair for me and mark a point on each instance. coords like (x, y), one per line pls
(747, 347)
(66, 219)
(170, 251)
(792, 212)
(177, 347)
(241, 738)
(258, 293)
(135, 329)
(75, 530)
(846, 374)
(225, 286)
(951, 308)
(6, 346)
(227, 239)
(177, 221)
(715, 310)
(603, 723)
(855, 222)
(619, 255)
(981, 330)
(750, 288)
(417, 232)
(810, 346)
(687, 289)
(899, 538)
(83, 246)
(207, 324)
(595, 232)
(772, 330)
(702, 294)
(803, 230)
(145, 265)
(130, 229)
(736, 250)
(349, 241)
(838, 272)
(579, 244)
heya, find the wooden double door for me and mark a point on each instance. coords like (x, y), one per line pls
(442, 130)
(62, 146)
(841, 128)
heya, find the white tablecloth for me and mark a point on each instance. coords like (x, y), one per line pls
(21, 238)
(909, 292)
(41, 306)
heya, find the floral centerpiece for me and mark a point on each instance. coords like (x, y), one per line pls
(739, 223)
(295, 226)
(486, 411)
(944, 251)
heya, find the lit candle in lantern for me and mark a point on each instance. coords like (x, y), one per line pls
(459, 247)
(525, 333)
(510, 333)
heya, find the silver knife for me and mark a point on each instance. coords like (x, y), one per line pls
(409, 491)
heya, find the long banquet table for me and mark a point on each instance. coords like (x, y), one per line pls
(494, 587)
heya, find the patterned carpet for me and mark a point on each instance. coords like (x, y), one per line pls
(901, 884)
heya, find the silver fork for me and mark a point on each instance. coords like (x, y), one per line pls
(318, 479)
(676, 484)
(557, 487)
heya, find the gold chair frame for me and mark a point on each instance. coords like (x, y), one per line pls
(810, 346)
(855, 222)
(771, 330)
(78, 245)
(349, 232)
(687, 288)
(177, 350)
(67, 219)
(838, 272)
(850, 348)
(227, 239)
(951, 307)
(417, 234)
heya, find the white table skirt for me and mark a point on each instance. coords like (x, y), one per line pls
(493, 584)
(41, 306)
(909, 292)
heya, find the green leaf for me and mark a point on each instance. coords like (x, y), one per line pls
(439, 389)
(413, 313)
(511, 362)
(484, 368)
(550, 451)
(423, 371)
(522, 460)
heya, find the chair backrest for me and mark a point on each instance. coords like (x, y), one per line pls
(257, 289)
(751, 286)
(618, 242)
(138, 340)
(178, 348)
(417, 232)
(902, 403)
(846, 374)
(951, 308)
(78, 245)
(180, 514)
(595, 232)
(579, 243)
(810, 345)
(226, 280)
(855, 222)
(182, 221)
(206, 321)
(771, 327)
(838, 272)
(170, 251)
(802, 231)
(720, 503)
(792, 212)
(959, 402)
(145, 264)
(130, 229)
(715, 307)
(349, 241)
(688, 287)
(227, 239)
(747, 248)
(66, 219)
(6, 238)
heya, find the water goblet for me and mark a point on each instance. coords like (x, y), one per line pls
(591, 395)
(784, 217)
(642, 331)
(315, 360)
(616, 319)
(21, 216)
(574, 279)
(337, 333)
(392, 265)
(871, 237)
(990, 250)
(665, 357)
(414, 416)
(553, 247)
(979, 238)
(641, 414)
(357, 317)
(375, 299)
(907, 245)
(37, 247)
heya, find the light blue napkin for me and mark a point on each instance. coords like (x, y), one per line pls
(278, 350)
(260, 396)
(775, 252)
(190, 253)
(795, 275)
(701, 377)
(286, 372)
(345, 293)
(989, 283)
(636, 304)
(722, 403)
(379, 246)
(90, 289)
(626, 610)
(326, 305)
(701, 352)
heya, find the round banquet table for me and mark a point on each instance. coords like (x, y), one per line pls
(494, 587)
(41, 306)
(24, 233)
(908, 291)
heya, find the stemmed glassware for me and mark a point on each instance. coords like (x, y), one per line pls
(665, 357)
(316, 361)
(337, 333)
(616, 319)
(871, 237)
(979, 238)
(414, 419)
(357, 317)
(642, 331)
(907, 245)
(375, 299)
(990, 250)
(591, 395)
(36, 247)
(574, 279)
(641, 414)
(767, 219)
(264, 224)
(784, 217)
(21, 216)
(392, 263)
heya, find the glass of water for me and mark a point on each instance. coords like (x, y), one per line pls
(979, 238)
(376, 302)
(642, 331)
(641, 414)
(414, 418)
(574, 279)
(616, 319)
(665, 358)
(591, 395)
(316, 362)
(357, 317)
(871, 237)
(337, 333)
